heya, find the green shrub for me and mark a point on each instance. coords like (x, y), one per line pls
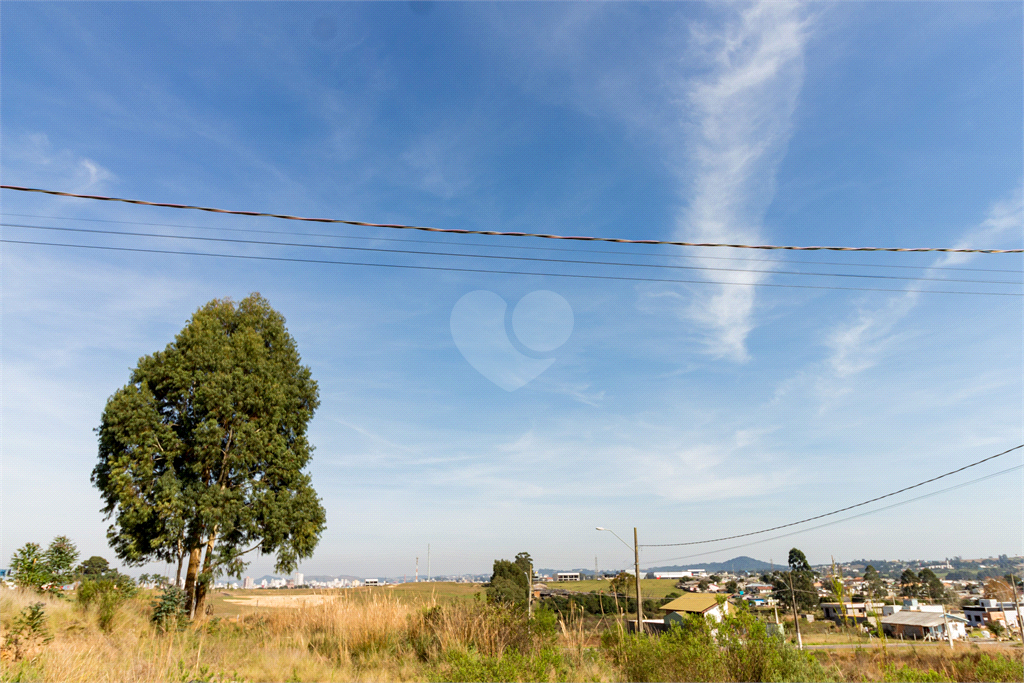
(169, 610)
(699, 649)
(978, 666)
(546, 665)
(28, 634)
(108, 594)
(910, 674)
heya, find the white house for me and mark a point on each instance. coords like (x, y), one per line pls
(694, 603)
(989, 611)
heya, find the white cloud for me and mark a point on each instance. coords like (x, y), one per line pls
(740, 125)
(33, 160)
(858, 344)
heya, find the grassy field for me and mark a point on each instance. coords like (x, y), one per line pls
(409, 634)
(649, 588)
(230, 604)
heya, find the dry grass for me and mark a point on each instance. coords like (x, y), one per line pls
(377, 636)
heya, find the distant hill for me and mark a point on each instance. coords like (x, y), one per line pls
(736, 564)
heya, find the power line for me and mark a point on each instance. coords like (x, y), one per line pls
(506, 258)
(503, 272)
(835, 512)
(459, 231)
(845, 519)
(518, 247)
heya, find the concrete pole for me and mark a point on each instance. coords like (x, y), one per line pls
(639, 604)
(529, 593)
(945, 625)
(796, 617)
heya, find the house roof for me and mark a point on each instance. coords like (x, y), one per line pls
(908, 618)
(692, 602)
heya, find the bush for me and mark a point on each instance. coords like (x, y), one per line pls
(546, 665)
(736, 649)
(27, 635)
(977, 666)
(169, 610)
(108, 593)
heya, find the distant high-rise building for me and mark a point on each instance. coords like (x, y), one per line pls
(299, 579)
(248, 583)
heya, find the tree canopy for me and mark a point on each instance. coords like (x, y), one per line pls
(201, 454)
(45, 570)
(909, 583)
(509, 582)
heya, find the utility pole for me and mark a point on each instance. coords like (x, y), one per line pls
(417, 570)
(1016, 603)
(796, 617)
(595, 568)
(639, 605)
(529, 592)
(945, 625)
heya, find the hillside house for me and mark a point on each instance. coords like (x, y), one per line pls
(694, 603)
(992, 611)
(923, 625)
(855, 612)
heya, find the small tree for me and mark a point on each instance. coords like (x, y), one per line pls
(45, 571)
(60, 561)
(29, 567)
(94, 567)
(509, 583)
(931, 585)
(624, 583)
(875, 589)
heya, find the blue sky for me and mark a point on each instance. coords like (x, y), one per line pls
(687, 410)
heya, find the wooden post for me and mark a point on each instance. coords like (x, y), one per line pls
(639, 605)
(945, 625)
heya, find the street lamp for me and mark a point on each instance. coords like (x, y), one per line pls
(636, 559)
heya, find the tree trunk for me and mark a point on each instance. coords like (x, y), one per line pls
(206, 579)
(190, 580)
(177, 578)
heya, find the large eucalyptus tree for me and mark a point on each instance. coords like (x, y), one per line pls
(202, 454)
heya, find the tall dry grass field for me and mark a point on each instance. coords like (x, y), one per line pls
(340, 638)
(380, 637)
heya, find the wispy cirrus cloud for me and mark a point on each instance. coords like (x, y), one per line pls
(32, 159)
(741, 120)
(859, 343)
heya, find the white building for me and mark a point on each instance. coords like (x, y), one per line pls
(371, 582)
(248, 583)
(689, 573)
(300, 580)
(568, 576)
(910, 605)
(989, 611)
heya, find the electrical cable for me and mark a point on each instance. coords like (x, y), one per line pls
(847, 519)
(458, 231)
(519, 247)
(504, 272)
(835, 512)
(506, 258)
